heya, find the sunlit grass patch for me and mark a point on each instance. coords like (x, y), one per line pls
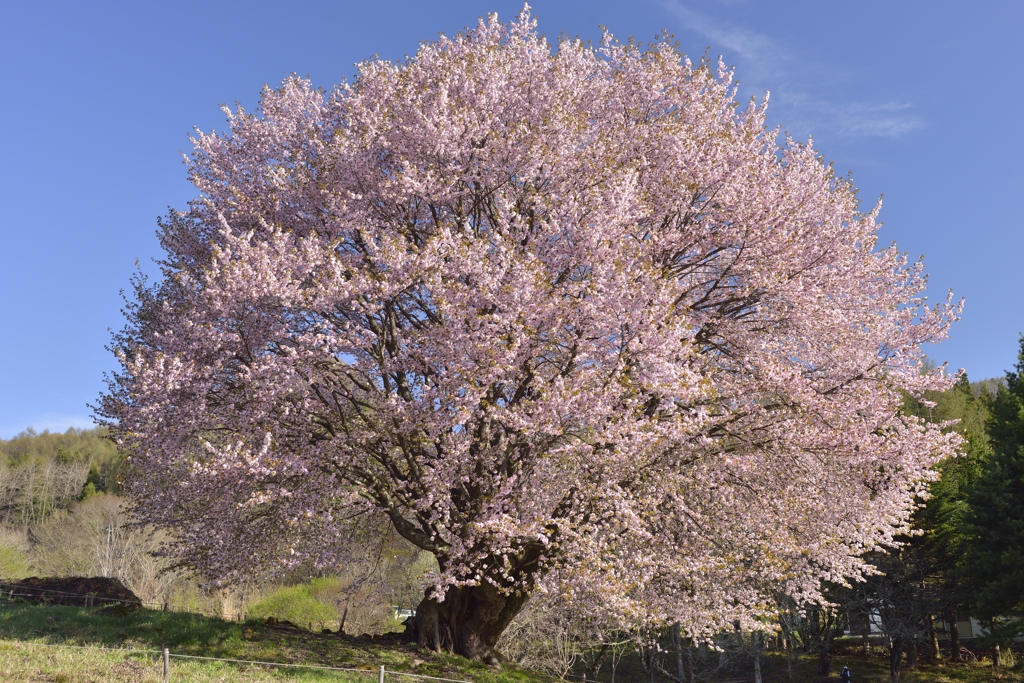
(26, 631)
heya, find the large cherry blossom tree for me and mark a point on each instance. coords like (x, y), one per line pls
(569, 317)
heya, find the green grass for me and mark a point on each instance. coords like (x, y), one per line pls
(30, 662)
(27, 630)
(59, 644)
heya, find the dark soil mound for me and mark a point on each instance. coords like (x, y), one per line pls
(73, 590)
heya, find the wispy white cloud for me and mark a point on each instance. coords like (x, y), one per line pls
(763, 64)
(887, 119)
(757, 50)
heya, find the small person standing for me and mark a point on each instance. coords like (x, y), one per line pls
(846, 676)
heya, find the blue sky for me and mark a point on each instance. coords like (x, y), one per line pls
(921, 99)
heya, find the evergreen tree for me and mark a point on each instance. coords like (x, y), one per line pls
(93, 483)
(923, 576)
(994, 563)
(942, 518)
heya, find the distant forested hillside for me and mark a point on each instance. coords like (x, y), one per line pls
(989, 386)
(61, 514)
(42, 472)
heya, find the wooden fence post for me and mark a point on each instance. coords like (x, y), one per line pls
(167, 666)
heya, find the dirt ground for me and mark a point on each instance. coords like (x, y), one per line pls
(72, 590)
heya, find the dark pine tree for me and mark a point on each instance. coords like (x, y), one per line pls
(994, 524)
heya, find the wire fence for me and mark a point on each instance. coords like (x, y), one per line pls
(381, 672)
(10, 592)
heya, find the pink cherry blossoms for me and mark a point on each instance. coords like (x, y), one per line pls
(569, 317)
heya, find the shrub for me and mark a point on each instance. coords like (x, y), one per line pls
(297, 604)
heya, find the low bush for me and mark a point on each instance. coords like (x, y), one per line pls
(297, 604)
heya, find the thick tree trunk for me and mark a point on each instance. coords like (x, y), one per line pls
(996, 657)
(895, 658)
(677, 642)
(468, 622)
(756, 644)
(934, 653)
(954, 636)
(595, 668)
(825, 661)
(912, 654)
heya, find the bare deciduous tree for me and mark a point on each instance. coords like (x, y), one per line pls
(97, 538)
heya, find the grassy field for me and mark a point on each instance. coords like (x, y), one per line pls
(31, 662)
(54, 644)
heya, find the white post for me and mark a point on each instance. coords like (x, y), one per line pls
(167, 666)
(380, 674)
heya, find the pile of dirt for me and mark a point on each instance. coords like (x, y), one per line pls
(85, 591)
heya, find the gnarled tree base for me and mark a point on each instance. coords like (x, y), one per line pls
(468, 622)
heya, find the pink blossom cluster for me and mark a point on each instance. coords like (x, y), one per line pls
(568, 316)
